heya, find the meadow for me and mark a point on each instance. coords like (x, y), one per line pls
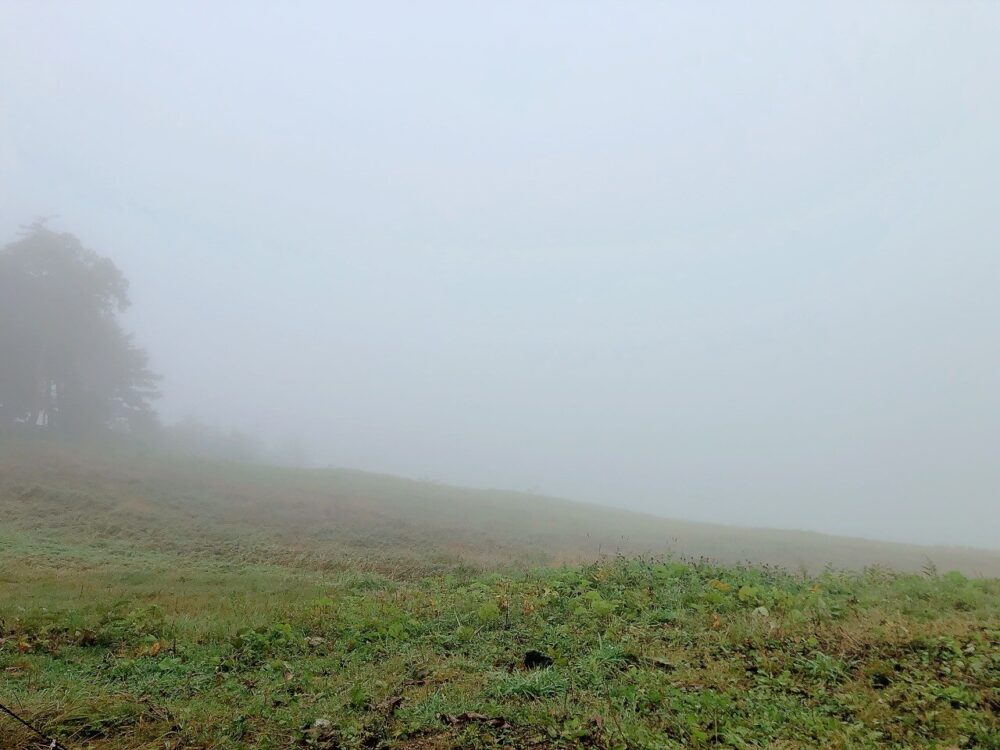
(154, 602)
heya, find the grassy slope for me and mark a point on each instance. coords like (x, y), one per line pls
(326, 517)
(152, 604)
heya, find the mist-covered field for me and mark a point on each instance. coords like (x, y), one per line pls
(327, 518)
(149, 601)
(447, 375)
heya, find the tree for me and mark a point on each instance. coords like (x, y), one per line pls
(65, 362)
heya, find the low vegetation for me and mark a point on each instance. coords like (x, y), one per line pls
(121, 630)
(329, 519)
(144, 650)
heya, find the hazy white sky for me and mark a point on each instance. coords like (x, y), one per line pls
(734, 262)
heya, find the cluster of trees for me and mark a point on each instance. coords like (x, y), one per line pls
(68, 367)
(66, 364)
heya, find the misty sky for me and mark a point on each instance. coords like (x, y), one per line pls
(735, 262)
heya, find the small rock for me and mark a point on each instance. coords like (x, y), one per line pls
(536, 660)
(761, 612)
(880, 681)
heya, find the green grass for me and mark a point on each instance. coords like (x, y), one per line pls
(335, 518)
(168, 605)
(147, 651)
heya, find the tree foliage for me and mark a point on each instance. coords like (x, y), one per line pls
(66, 364)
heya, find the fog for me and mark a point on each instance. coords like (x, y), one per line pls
(722, 262)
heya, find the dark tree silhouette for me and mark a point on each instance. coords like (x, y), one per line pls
(65, 363)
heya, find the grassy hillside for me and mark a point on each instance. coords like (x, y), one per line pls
(336, 518)
(128, 649)
(147, 603)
